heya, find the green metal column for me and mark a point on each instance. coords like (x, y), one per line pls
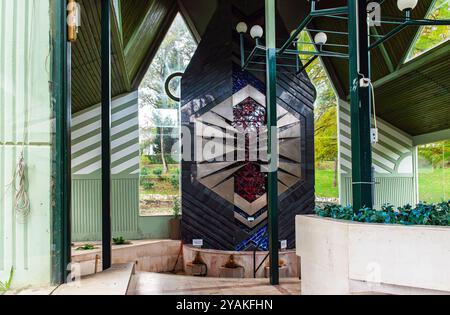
(273, 140)
(61, 99)
(106, 134)
(359, 67)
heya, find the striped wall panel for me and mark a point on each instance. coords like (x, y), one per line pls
(86, 138)
(86, 213)
(25, 125)
(394, 162)
(389, 190)
(86, 170)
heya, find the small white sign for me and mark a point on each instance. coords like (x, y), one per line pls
(251, 219)
(374, 135)
(283, 244)
(197, 243)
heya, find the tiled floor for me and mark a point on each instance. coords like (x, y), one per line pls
(163, 284)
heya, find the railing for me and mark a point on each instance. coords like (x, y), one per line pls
(256, 269)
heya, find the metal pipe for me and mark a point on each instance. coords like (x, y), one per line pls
(315, 53)
(327, 31)
(326, 44)
(296, 33)
(389, 35)
(308, 19)
(241, 37)
(307, 64)
(250, 57)
(331, 11)
(278, 64)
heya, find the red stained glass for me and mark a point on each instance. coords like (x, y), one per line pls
(250, 182)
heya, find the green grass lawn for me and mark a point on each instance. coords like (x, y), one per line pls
(324, 184)
(434, 185)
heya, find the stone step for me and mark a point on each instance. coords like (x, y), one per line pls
(118, 280)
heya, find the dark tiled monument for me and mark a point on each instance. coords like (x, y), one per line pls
(224, 184)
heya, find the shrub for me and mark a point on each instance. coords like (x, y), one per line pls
(175, 179)
(158, 172)
(145, 179)
(156, 159)
(176, 208)
(87, 247)
(422, 214)
(147, 184)
(120, 241)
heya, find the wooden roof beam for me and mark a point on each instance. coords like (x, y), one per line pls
(153, 49)
(117, 36)
(442, 51)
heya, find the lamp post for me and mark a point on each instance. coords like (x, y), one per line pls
(242, 28)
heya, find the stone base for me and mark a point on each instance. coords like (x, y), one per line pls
(196, 270)
(215, 259)
(284, 272)
(233, 273)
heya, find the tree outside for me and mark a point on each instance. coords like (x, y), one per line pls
(159, 122)
(434, 158)
(326, 130)
(434, 172)
(432, 36)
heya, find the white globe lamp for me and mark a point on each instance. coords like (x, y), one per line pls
(242, 28)
(321, 38)
(257, 32)
(407, 4)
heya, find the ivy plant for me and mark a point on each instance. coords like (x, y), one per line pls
(422, 214)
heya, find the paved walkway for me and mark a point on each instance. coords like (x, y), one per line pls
(163, 284)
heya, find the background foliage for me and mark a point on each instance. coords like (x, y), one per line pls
(431, 36)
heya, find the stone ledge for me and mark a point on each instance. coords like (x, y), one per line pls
(118, 280)
(341, 257)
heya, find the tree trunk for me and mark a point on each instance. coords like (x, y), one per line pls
(163, 156)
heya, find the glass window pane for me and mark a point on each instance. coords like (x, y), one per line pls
(434, 172)
(432, 36)
(326, 145)
(159, 120)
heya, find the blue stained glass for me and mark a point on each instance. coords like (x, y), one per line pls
(260, 240)
(243, 78)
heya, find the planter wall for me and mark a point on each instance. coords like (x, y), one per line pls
(340, 257)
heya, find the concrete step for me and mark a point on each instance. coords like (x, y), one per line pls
(118, 280)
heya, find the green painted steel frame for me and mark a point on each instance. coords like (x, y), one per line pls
(271, 95)
(359, 67)
(61, 98)
(106, 133)
(312, 14)
(408, 22)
